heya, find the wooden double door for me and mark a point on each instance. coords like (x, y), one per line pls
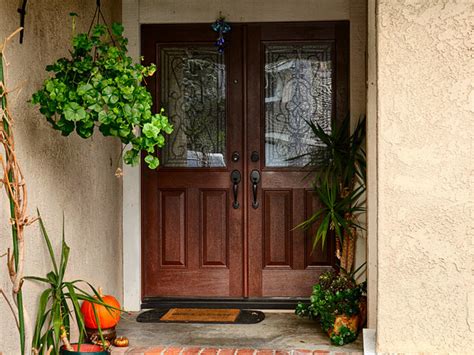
(218, 216)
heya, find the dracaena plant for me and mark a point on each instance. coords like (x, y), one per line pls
(100, 86)
(338, 168)
(59, 303)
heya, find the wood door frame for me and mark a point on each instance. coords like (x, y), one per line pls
(325, 30)
(341, 104)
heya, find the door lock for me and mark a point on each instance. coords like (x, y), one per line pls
(235, 157)
(254, 156)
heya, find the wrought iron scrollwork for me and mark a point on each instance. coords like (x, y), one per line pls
(298, 88)
(193, 94)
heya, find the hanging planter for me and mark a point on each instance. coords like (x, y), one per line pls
(100, 86)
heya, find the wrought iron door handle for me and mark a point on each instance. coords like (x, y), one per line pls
(255, 179)
(235, 177)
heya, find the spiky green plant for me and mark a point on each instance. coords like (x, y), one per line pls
(59, 304)
(338, 166)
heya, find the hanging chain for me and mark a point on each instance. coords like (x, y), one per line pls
(98, 16)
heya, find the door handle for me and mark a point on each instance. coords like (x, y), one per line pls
(254, 179)
(235, 177)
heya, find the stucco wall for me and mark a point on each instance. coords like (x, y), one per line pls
(69, 175)
(425, 149)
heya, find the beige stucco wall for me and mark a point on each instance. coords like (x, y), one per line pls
(425, 176)
(69, 175)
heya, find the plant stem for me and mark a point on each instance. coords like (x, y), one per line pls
(16, 249)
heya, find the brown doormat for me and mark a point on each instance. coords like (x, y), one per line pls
(201, 315)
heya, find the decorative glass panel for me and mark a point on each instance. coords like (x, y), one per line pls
(298, 88)
(193, 95)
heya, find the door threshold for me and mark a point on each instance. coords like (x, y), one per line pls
(240, 303)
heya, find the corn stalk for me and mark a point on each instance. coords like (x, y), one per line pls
(13, 181)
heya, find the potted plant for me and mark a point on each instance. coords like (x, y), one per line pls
(339, 304)
(100, 86)
(59, 306)
(338, 165)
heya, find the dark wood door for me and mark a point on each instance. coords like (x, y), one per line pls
(302, 74)
(241, 113)
(192, 235)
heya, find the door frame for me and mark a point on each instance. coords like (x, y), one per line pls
(251, 39)
(362, 61)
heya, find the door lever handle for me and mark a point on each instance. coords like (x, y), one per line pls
(255, 179)
(235, 177)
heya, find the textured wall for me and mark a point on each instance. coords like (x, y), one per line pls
(69, 175)
(182, 11)
(425, 148)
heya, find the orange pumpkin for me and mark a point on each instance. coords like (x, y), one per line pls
(108, 318)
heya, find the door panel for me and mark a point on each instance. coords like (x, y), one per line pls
(250, 103)
(214, 234)
(172, 228)
(277, 229)
(301, 78)
(192, 237)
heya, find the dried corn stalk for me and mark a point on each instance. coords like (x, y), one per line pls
(11, 178)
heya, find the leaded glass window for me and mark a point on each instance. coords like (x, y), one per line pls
(193, 94)
(298, 88)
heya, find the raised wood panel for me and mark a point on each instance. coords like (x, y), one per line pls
(278, 283)
(214, 229)
(277, 228)
(192, 283)
(173, 228)
(316, 256)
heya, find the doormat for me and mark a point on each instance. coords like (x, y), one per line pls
(201, 315)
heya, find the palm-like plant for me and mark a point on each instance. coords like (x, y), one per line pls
(59, 304)
(338, 164)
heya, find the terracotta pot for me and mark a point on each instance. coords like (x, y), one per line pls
(350, 322)
(109, 334)
(353, 323)
(84, 349)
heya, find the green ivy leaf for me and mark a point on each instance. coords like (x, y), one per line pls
(82, 89)
(131, 157)
(74, 112)
(117, 29)
(150, 130)
(152, 161)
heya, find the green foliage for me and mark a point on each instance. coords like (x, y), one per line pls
(59, 304)
(335, 294)
(339, 165)
(100, 86)
(345, 336)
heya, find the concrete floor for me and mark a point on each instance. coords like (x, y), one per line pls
(279, 330)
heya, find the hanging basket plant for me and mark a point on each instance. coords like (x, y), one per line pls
(100, 86)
